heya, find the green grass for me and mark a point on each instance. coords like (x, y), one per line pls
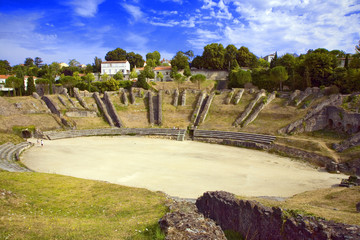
(47, 206)
(7, 137)
(336, 204)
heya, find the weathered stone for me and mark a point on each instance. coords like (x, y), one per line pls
(238, 96)
(229, 97)
(80, 99)
(255, 221)
(183, 98)
(198, 107)
(206, 108)
(358, 207)
(151, 108)
(62, 101)
(256, 112)
(103, 109)
(35, 95)
(111, 110)
(176, 98)
(184, 222)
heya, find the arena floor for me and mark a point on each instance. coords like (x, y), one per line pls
(182, 169)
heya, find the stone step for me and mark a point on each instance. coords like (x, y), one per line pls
(5, 150)
(233, 133)
(260, 138)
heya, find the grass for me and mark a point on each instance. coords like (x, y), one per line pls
(336, 204)
(41, 121)
(48, 206)
(9, 137)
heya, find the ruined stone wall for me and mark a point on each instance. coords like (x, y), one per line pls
(80, 99)
(255, 221)
(103, 109)
(53, 107)
(151, 108)
(198, 106)
(159, 107)
(211, 74)
(111, 110)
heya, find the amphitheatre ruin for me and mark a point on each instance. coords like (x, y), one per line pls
(186, 141)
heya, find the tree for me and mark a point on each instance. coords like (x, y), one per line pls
(238, 78)
(116, 55)
(230, 57)
(180, 60)
(89, 68)
(214, 56)
(38, 61)
(112, 85)
(279, 75)
(5, 67)
(133, 74)
(197, 62)
(273, 62)
(263, 63)
(190, 54)
(29, 62)
(355, 62)
(97, 65)
(179, 79)
(119, 76)
(15, 83)
(245, 58)
(160, 76)
(151, 63)
(73, 63)
(155, 57)
(198, 79)
(135, 60)
(141, 82)
(89, 78)
(148, 72)
(30, 85)
(68, 82)
(104, 77)
(174, 71)
(187, 72)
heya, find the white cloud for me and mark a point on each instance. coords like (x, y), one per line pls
(208, 4)
(85, 8)
(175, 1)
(134, 11)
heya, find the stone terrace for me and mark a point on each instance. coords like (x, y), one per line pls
(9, 154)
(179, 133)
(240, 136)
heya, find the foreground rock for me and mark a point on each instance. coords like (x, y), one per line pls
(255, 221)
(184, 222)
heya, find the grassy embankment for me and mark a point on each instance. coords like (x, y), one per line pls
(47, 206)
(336, 204)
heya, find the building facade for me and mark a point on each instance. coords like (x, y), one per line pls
(112, 67)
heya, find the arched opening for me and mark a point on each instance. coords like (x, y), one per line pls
(26, 134)
(358, 129)
(331, 123)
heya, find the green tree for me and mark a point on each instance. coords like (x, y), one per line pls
(116, 55)
(174, 71)
(180, 61)
(5, 67)
(197, 62)
(38, 61)
(187, 71)
(112, 85)
(15, 83)
(214, 56)
(148, 72)
(141, 82)
(355, 61)
(263, 63)
(73, 63)
(97, 65)
(89, 78)
(160, 76)
(273, 62)
(155, 56)
(151, 63)
(245, 58)
(135, 60)
(119, 76)
(238, 78)
(133, 74)
(190, 54)
(179, 79)
(104, 77)
(230, 57)
(68, 82)
(29, 62)
(30, 85)
(89, 68)
(279, 74)
(198, 79)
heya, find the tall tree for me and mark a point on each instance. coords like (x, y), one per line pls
(73, 63)
(97, 65)
(180, 60)
(279, 75)
(245, 58)
(214, 56)
(187, 71)
(5, 67)
(273, 62)
(135, 60)
(230, 57)
(38, 61)
(29, 62)
(15, 83)
(197, 62)
(116, 55)
(238, 78)
(133, 74)
(89, 78)
(155, 56)
(190, 54)
(30, 85)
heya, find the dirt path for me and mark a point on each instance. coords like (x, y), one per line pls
(184, 169)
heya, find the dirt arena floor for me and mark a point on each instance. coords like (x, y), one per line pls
(182, 169)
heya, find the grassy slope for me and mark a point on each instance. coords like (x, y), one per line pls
(7, 137)
(178, 116)
(47, 206)
(222, 116)
(337, 204)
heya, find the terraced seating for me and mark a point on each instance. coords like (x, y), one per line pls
(9, 153)
(241, 136)
(115, 131)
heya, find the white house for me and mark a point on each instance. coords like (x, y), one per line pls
(269, 57)
(112, 67)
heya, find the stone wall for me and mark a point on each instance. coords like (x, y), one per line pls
(80, 99)
(198, 107)
(81, 113)
(111, 110)
(103, 109)
(211, 74)
(53, 107)
(183, 98)
(255, 221)
(205, 112)
(238, 96)
(151, 108)
(176, 98)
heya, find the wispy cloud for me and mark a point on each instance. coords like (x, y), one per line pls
(175, 1)
(134, 11)
(85, 8)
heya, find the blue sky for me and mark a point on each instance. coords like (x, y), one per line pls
(82, 29)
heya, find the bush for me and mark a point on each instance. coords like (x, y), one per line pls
(332, 90)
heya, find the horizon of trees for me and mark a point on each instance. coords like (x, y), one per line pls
(316, 68)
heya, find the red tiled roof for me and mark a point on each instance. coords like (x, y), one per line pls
(5, 76)
(163, 68)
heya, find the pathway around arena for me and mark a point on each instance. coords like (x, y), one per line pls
(183, 169)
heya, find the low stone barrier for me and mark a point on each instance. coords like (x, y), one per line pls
(198, 106)
(111, 110)
(124, 98)
(229, 97)
(62, 100)
(183, 98)
(238, 96)
(159, 107)
(151, 108)
(206, 109)
(255, 221)
(53, 107)
(132, 96)
(103, 109)
(80, 99)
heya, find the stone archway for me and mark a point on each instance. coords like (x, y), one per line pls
(26, 134)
